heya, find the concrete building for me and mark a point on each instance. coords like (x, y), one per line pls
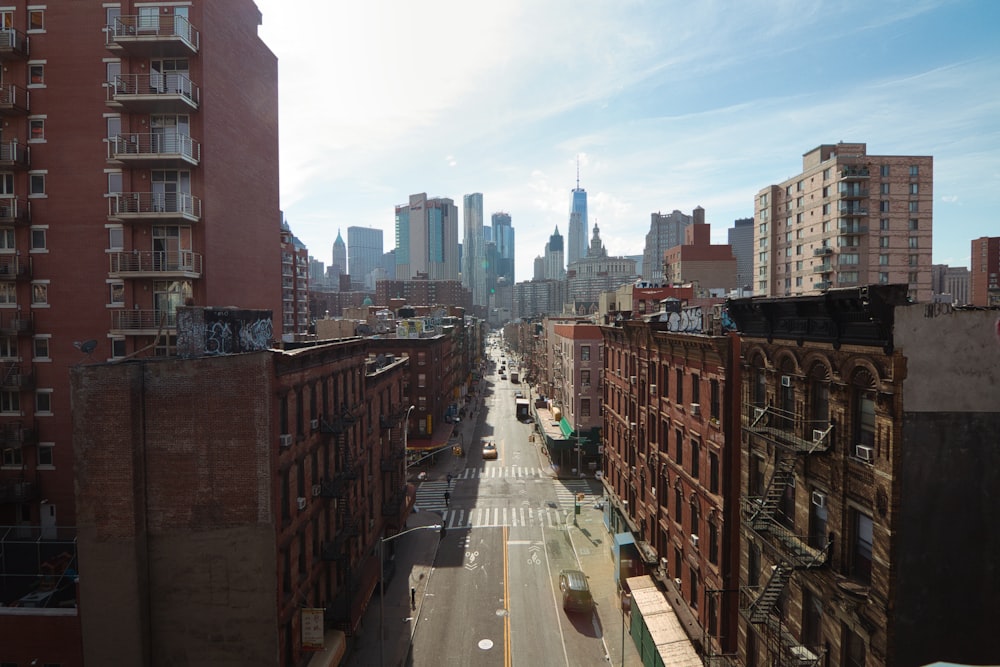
(950, 284)
(868, 432)
(427, 239)
(295, 317)
(741, 236)
(848, 219)
(364, 255)
(554, 262)
(597, 272)
(671, 467)
(131, 190)
(540, 297)
(217, 539)
(503, 238)
(711, 269)
(984, 276)
(665, 232)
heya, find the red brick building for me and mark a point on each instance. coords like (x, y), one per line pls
(984, 275)
(219, 497)
(129, 188)
(671, 468)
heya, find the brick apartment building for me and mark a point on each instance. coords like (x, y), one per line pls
(139, 162)
(221, 498)
(984, 275)
(710, 268)
(671, 465)
(868, 432)
(848, 219)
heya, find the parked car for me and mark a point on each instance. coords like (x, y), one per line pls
(489, 450)
(575, 591)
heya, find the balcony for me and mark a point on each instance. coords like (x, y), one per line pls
(15, 212)
(16, 323)
(166, 35)
(15, 435)
(786, 430)
(142, 322)
(851, 211)
(823, 268)
(155, 264)
(15, 377)
(153, 93)
(155, 150)
(793, 548)
(851, 227)
(854, 173)
(14, 100)
(14, 267)
(153, 206)
(14, 156)
(13, 491)
(13, 44)
(822, 251)
(852, 191)
(823, 285)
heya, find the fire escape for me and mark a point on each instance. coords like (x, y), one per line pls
(792, 438)
(394, 465)
(340, 487)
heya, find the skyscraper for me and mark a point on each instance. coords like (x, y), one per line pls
(141, 201)
(555, 268)
(339, 265)
(665, 232)
(473, 249)
(848, 219)
(427, 238)
(364, 255)
(741, 240)
(503, 235)
(576, 242)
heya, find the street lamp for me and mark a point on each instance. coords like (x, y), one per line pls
(381, 583)
(406, 424)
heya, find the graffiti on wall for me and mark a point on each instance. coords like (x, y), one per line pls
(685, 320)
(232, 331)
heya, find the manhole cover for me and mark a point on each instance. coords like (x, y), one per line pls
(486, 644)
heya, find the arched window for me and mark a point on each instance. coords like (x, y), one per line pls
(863, 414)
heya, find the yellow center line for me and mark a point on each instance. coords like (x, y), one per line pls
(506, 604)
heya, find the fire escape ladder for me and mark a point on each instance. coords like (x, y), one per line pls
(762, 607)
(784, 470)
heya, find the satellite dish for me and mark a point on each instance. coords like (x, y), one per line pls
(86, 346)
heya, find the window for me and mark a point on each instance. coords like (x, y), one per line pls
(883, 188)
(812, 619)
(36, 184)
(914, 171)
(713, 472)
(116, 238)
(584, 353)
(39, 238)
(913, 277)
(41, 347)
(10, 401)
(679, 374)
(826, 177)
(7, 294)
(883, 224)
(7, 241)
(8, 347)
(36, 130)
(36, 75)
(826, 209)
(913, 206)
(849, 258)
(421, 379)
(861, 547)
(115, 182)
(584, 407)
(883, 278)
(43, 401)
(713, 543)
(36, 20)
(585, 378)
(694, 588)
(695, 393)
(883, 206)
(883, 260)
(798, 249)
(678, 506)
(914, 260)
(914, 224)
(695, 458)
(883, 242)
(818, 516)
(914, 242)
(117, 293)
(753, 564)
(679, 444)
(114, 126)
(786, 506)
(864, 411)
(118, 348)
(848, 277)
(45, 458)
(39, 294)
(883, 170)
(714, 405)
(12, 457)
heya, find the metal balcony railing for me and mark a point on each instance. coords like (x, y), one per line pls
(13, 44)
(155, 262)
(794, 548)
(157, 31)
(154, 91)
(787, 430)
(143, 320)
(128, 205)
(14, 155)
(154, 147)
(14, 100)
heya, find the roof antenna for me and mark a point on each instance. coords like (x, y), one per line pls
(577, 171)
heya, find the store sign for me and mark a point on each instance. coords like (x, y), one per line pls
(312, 629)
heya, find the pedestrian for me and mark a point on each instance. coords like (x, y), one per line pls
(449, 480)
(447, 498)
(413, 598)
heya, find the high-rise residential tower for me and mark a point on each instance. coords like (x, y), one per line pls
(503, 235)
(427, 238)
(339, 265)
(848, 219)
(741, 240)
(576, 241)
(473, 249)
(665, 232)
(128, 191)
(364, 255)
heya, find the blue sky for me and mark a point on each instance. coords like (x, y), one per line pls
(667, 104)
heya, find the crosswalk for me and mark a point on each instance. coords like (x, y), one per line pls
(431, 497)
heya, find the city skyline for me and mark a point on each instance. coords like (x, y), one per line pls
(688, 108)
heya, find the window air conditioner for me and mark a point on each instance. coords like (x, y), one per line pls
(864, 452)
(818, 499)
(314, 424)
(694, 540)
(786, 381)
(301, 503)
(818, 434)
(631, 379)
(696, 409)
(652, 389)
(285, 440)
(317, 490)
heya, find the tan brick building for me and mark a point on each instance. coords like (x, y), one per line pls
(848, 219)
